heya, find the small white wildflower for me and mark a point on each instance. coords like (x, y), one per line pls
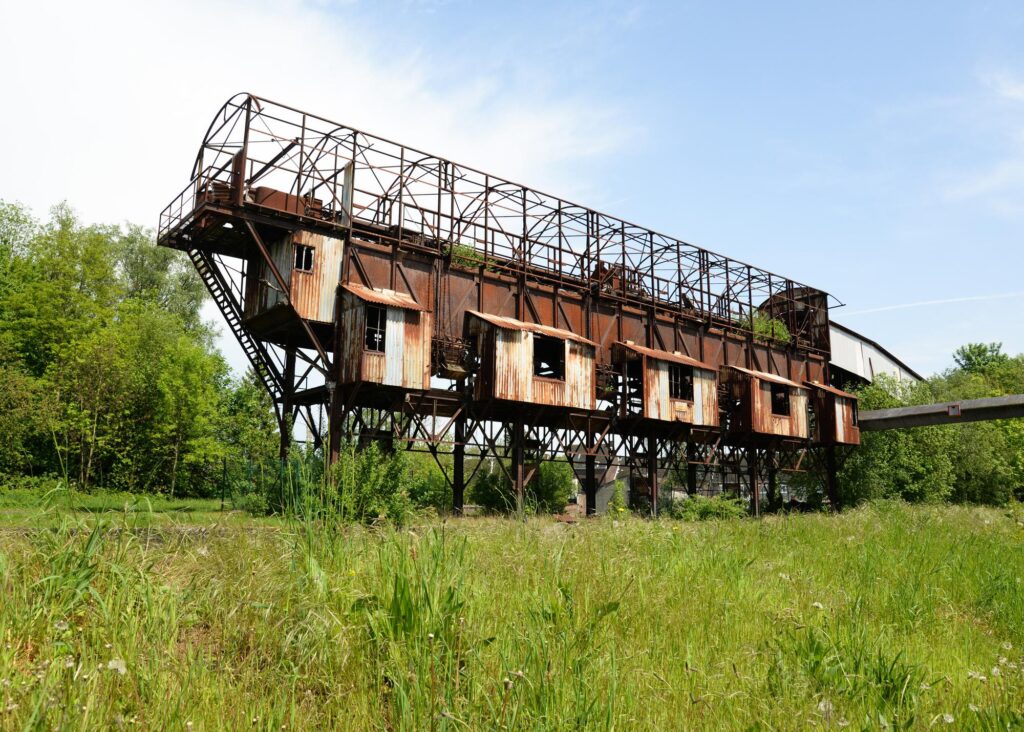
(202, 551)
(817, 605)
(948, 718)
(69, 662)
(825, 708)
(117, 664)
(784, 576)
(973, 707)
(188, 725)
(843, 722)
(108, 646)
(12, 706)
(925, 686)
(995, 671)
(975, 675)
(61, 625)
(1007, 646)
(1002, 660)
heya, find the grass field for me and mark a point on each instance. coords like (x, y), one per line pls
(886, 616)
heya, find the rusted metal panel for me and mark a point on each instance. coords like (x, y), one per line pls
(394, 347)
(657, 395)
(579, 376)
(512, 377)
(762, 376)
(374, 367)
(705, 398)
(313, 291)
(268, 293)
(759, 393)
(378, 296)
(513, 324)
(405, 362)
(513, 365)
(665, 355)
(351, 327)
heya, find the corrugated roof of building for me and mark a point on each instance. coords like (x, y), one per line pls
(512, 324)
(831, 389)
(383, 297)
(764, 376)
(674, 357)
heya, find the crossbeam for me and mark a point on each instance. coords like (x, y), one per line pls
(970, 410)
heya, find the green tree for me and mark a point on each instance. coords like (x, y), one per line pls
(978, 357)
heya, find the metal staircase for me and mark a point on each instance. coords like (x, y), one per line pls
(255, 351)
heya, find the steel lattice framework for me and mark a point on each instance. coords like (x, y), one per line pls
(458, 240)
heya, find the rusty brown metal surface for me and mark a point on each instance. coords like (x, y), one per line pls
(383, 297)
(513, 324)
(472, 269)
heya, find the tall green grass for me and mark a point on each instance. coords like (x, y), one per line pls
(886, 616)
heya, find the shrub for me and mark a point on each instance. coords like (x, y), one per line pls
(702, 508)
(548, 492)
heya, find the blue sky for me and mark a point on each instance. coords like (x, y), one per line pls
(874, 150)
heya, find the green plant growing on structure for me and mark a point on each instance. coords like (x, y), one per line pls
(465, 255)
(766, 328)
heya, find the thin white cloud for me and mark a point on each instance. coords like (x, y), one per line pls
(1000, 185)
(927, 303)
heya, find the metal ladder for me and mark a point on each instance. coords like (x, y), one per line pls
(255, 351)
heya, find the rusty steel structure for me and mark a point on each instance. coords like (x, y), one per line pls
(385, 294)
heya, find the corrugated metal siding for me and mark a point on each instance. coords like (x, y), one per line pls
(841, 419)
(513, 379)
(793, 425)
(406, 360)
(313, 292)
(269, 294)
(846, 432)
(351, 337)
(513, 365)
(374, 367)
(579, 376)
(658, 404)
(656, 400)
(705, 397)
(394, 347)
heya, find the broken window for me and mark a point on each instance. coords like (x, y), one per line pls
(548, 357)
(854, 417)
(680, 381)
(780, 400)
(376, 327)
(303, 258)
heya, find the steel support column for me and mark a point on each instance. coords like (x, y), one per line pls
(285, 423)
(459, 462)
(755, 489)
(831, 482)
(518, 467)
(652, 473)
(590, 478)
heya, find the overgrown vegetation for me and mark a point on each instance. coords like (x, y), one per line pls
(766, 328)
(980, 462)
(108, 376)
(888, 616)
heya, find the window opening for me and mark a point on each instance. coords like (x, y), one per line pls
(376, 327)
(780, 400)
(548, 357)
(680, 381)
(303, 258)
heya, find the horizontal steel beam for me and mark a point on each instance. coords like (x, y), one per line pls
(970, 410)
